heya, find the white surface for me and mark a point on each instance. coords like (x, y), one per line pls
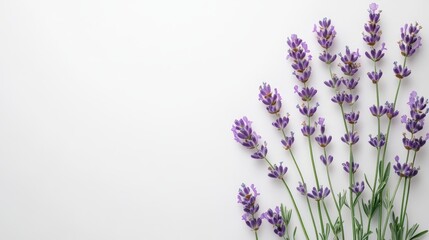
(115, 116)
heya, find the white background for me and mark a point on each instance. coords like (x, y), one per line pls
(115, 116)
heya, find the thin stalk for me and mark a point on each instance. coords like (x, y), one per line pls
(404, 192)
(256, 235)
(351, 182)
(329, 220)
(408, 189)
(390, 208)
(333, 196)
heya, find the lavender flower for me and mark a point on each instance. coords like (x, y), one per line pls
(350, 83)
(305, 93)
(414, 143)
(401, 72)
(410, 41)
(261, 153)
(350, 66)
(247, 197)
(307, 111)
(372, 27)
(390, 110)
(302, 188)
(288, 141)
(307, 130)
(270, 99)
(298, 52)
(325, 37)
(346, 167)
(319, 194)
(376, 55)
(334, 82)
(358, 187)
(352, 117)
(252, 222)
(350, 138)
(377, 111)
(244, 134)
(326, 161)
(404, 170)
(277, 171)
(275, 218)
(281, 122)
(375, 76)
(377, 141)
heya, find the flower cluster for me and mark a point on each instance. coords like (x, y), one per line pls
(247, 197)
(275, 218)
(325, 37)
(319, 194)
(415, 121)
(410, 41)
(298, 52)
(404, 170)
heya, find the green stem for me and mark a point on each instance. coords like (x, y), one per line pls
(408, 189)
(329, 219)
(256, 235)
(404, 192)
(333, 196)
(308, 201)
(351, 182)
(296, 209)
(390, 208)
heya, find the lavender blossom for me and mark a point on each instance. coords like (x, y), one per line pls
(302, 188)
(319, 194)
(288, 141)
(334, 82)
(252, 222)
(375, 76)
(401, 72)
(307, 130)
(275, 218)
(372, 28)
(352, 117)
(326, 161)
(305, 93)
(350, 65)
(307, 111)
(358, 187)
(261, 153)
(376, 55)
(410, 41)
(350, 83)
(404, 170)
(270, 99)
(377, 141)
(325, 37)
(277, 171)
(281, 122)
(247, 197)
(298, 52)
(377, 111)
(390, 110)
(346, 167)
(415, 143)
(244, 134)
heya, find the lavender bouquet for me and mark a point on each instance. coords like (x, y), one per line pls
(370, 217)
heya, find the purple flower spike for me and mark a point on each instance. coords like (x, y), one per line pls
(376, 55)
(252, 222)
(377, 111)
(298, 52)
(327, 161)
(375, 76)
(350, 138)
(410, 41)
(302, 188)
(415, 143)
(327, 57)
(277, 171)
(346, 167)
(376, 141)
(401, 72)
(372, 28)
(307, 130)
(358, 187)
(352, 117)
(275, 218)
(244, 134)
(323, 140)
(390, 110)
(247, 197)
(325, 33)
(270, 99)
(288, 141)
(350, 99)
(319, 194)
(350, 66)
(261, 153)
(281, 122)
(306, 93)
(404, 170)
